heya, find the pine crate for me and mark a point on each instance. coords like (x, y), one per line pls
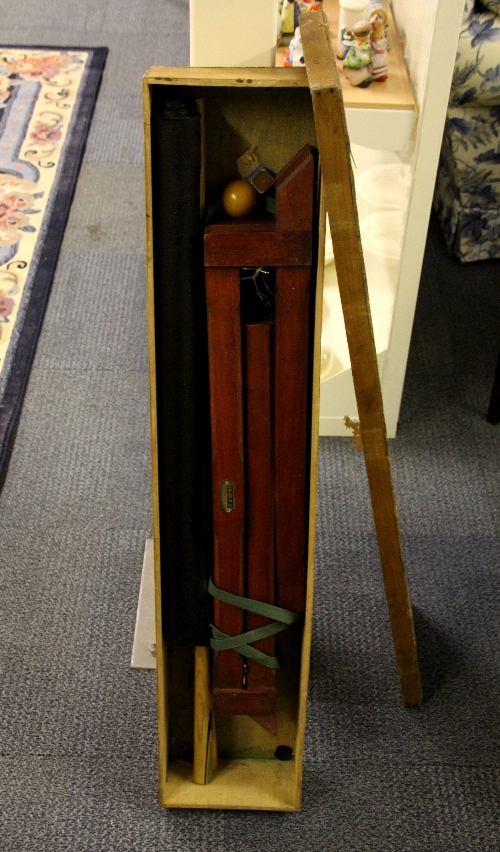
(270, 107)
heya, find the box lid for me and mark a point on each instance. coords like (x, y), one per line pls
(339, 194)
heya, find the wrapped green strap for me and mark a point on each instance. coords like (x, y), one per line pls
(281, 619)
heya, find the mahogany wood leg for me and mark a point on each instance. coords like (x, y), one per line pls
(226, 413)
(259, 451)
(291, 437)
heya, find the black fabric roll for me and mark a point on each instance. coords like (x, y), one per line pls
(181, 370)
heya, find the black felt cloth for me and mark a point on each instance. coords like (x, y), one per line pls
(181, 370)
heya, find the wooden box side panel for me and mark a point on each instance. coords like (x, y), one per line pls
(161, 671)
(237, 78)
(264, 785)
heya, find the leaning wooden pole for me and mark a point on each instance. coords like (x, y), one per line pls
(338, 188)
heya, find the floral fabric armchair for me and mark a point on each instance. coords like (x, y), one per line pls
(467, 195)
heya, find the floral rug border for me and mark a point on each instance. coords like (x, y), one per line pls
(48, 94)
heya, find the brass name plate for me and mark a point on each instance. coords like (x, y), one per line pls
(227, 496)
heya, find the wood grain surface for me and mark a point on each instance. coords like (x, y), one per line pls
(259, 452)
(338, 188)
(226, 412)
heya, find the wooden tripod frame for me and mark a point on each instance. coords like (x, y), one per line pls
(262, 369)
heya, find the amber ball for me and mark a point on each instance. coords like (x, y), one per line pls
(239, 198)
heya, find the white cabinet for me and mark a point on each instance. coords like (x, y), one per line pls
(228, 33)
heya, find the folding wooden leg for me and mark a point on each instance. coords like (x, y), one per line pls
(233, 692)
(291, 435)
(258, 352)
(226, 412)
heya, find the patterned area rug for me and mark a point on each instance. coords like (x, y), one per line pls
(47, 96)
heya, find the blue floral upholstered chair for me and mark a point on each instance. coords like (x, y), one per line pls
(467, 195)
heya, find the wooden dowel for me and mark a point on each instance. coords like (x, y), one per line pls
(205, 741)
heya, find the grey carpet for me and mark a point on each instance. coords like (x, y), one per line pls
(77, 727)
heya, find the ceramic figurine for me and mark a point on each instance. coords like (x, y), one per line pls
(378, 42)
(350, 12)
(306, 6)
(289, 12)
(287, 21)
(358, 60)
(278, 23)
(346, 41)
(294, 54)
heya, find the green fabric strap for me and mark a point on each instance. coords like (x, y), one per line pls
(281, 619)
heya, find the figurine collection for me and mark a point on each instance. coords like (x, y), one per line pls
(362, 40)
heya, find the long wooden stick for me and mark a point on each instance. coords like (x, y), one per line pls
(338, 187)
(205, 742)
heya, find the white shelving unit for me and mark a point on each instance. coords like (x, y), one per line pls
(408, 140)
(396, 124)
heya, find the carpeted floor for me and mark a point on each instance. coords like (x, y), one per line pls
(77, 726)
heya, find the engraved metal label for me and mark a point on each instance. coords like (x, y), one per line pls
(227, 496)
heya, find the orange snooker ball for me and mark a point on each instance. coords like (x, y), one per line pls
(239, 198)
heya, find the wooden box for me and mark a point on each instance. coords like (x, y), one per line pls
(285, 114)
(270, 107)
